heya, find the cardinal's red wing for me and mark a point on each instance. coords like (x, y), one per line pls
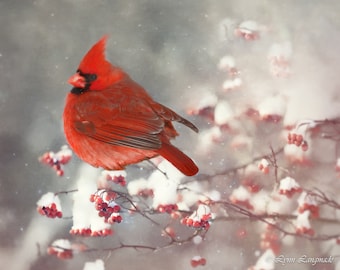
(134, 124)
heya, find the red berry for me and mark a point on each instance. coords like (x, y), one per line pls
(116, 208)
(206, 217)
(98, 200)
(304, 146)
(92, 197)
(299, 138)
(297, 143)
(67, 254)
(189, 222)
(51, 251)
(119, 219)
(202, 261)
(289, 137)
(194, 263)
(293, 136)
(196, 224)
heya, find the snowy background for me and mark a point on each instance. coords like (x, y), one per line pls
(173, 49)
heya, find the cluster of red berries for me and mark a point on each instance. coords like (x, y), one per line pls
(251, 185)
(57, 160)
(107, 207)
(275, 118)
(289, 193)
(49, 211)
(314, 209)
(246, 34)
(197, 222)
(61, 248)
(298, 140)
(81, 232)
(197, 261)
(88, 232)
(60, 253)
(270, 240)
(264, 166)
(167, 208)
(305, 230)
(100, 233)
(244, 203)
(117, 179)
(205, 112)
(288, 187)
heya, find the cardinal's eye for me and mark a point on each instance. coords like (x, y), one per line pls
(90, 77)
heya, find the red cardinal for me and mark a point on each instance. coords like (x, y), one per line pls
(110, 121)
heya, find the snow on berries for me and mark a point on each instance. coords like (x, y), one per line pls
(223, 113)
(264, 166)
(251, 185)
(296, 156)
(231, 84)
(87, 223)
(249, 30)
(61, 248)
(139, 187)
(204, 107)
(289, 186)
(241, 196)
(279, 57)
(117, 177)
(302, 224)
(298, 140)
(167, 208)
(164, 193)
(272, 109)
(197, 261)
(57, 160)
(227, 63)
(106, 206)
(96, 265)
(308, 202)
(49, 206)
(199, 219)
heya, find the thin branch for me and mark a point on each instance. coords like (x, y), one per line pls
(203, 176)
(66, 192)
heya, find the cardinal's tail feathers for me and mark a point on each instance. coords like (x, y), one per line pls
(181, 161)
(170, 115)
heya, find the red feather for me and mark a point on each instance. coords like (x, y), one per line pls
(110, 121)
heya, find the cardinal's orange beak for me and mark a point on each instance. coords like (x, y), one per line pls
(77, 81)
